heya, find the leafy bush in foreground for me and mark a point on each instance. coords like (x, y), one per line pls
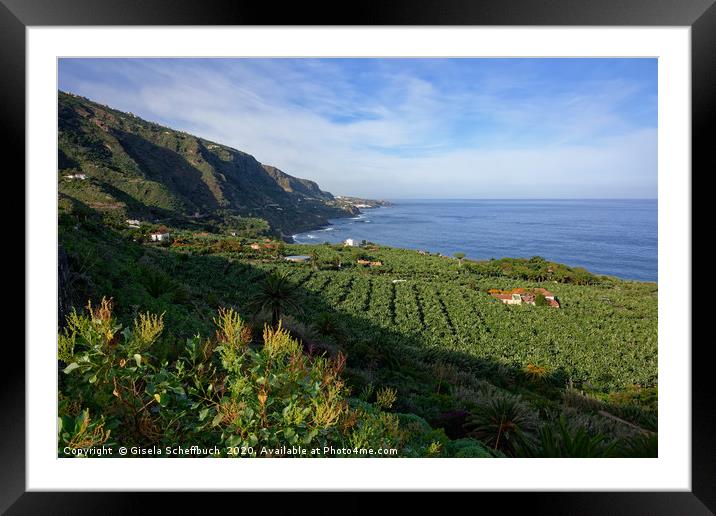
(226, 392)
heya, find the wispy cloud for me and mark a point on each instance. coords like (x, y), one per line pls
(408, 128)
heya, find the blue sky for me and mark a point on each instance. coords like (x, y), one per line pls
(408, 128)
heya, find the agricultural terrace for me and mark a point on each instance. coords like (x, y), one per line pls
(422, 324)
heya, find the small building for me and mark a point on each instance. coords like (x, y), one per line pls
(255, 246)
(520, 296)
(159, 236)
(349, 242)
(76, 176)
(133, 223)
(509, 298)
(298, 258)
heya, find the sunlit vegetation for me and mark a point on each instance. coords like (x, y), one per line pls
(232, 393)
(418, 338)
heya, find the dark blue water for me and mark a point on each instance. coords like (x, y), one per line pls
(614, 237)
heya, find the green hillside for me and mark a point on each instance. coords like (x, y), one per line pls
(136, 169)
(423, 327)
(211, 337)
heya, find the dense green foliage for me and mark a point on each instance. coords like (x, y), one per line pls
(536, 269)
(422, 326)
(223, 394)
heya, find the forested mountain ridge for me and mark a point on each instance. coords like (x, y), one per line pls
(127, 167)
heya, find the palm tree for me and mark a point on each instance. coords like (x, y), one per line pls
(502, 422)
(277, 295)
(314, 258)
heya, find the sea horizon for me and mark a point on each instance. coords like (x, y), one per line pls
(614, 237)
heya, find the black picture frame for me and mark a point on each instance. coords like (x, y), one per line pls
(700, 15)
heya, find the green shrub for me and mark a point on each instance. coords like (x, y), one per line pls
(559, 440)
(642, 445)
(157, 282)
(80, 433)
(503, 422)
(224, 391)
(465, 448)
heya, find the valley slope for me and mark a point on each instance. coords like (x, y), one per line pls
(127, 167)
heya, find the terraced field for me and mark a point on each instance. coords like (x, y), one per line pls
(424, 326)
(602, 334)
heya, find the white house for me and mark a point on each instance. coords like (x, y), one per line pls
(159, 237)
(350, 242)
(519, 296)
(76, 176)
(298, 258)
(133, 223)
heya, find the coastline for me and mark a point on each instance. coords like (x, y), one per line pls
(290, 239)
(492, 232)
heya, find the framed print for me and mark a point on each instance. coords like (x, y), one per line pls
(454, 242)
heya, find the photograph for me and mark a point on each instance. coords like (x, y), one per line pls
(369, 257)
(454, 238)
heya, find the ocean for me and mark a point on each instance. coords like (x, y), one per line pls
(613, 237)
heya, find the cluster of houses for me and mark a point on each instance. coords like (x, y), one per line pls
(159, 236)
(519, 296)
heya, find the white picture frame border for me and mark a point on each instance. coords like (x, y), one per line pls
(670, 471)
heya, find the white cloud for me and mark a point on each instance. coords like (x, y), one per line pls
(402, 136)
